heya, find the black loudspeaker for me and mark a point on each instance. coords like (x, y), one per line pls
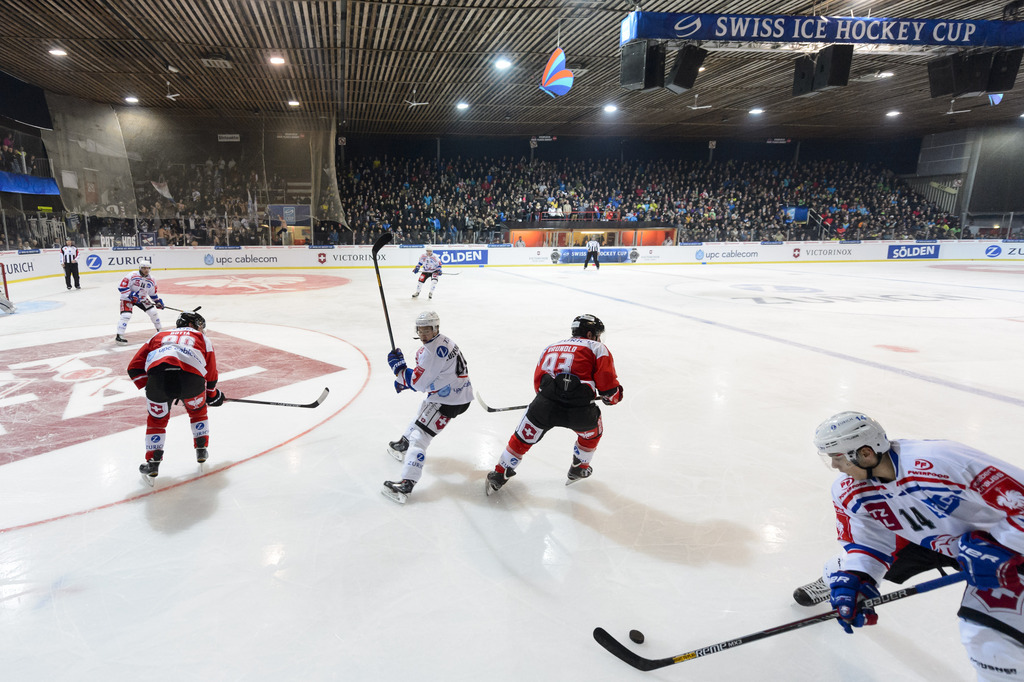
(642, 65)
(970, 73)
(832, 67)
(803, 76)
(685, 68)
(1003, 74)
(940, 77)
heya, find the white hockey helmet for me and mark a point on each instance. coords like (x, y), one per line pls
(430, 249)
(428, 320)
(144, 263)
(847, 432)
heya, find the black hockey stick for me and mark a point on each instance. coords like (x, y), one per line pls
(480, 399)
(179, 310)
(377, 245)
(646, 664)
(315, 403)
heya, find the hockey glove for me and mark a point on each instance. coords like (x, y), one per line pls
(988, 564)
(214, 398)
(399, 387)
(416, 270)
(612, 397)
(435, 274)
(848, 590)
(135, 296)
(396, 361)
(159, 303)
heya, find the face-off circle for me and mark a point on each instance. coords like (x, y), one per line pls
(249, 283)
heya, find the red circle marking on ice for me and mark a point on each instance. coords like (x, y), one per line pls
(83, 374)
(898, 349)
(255, 283)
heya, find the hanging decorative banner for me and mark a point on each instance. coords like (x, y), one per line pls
(556, 79)
(779, 28)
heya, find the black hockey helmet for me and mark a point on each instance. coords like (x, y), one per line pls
(191, 319)
(587, 323)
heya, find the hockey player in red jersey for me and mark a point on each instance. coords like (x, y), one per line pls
(441, 373)
(138, 291)
(177, 364)
(945, 497)
(569, 376)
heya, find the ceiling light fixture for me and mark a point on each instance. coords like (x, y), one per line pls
(892, 114)
(461, 106)
(131, 99)
(502, 64)
(277, 60)
(756, 112)
(58, 52)
(293, 103)
(610, 108)
(884, 74)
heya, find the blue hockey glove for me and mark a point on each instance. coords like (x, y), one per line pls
(399, 387)
(988, 564)
(612, 397)
(135, 296)
(396, 361)
(848, 590)
(416, 269)
(159, 303)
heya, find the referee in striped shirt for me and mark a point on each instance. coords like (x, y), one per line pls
(69, 259)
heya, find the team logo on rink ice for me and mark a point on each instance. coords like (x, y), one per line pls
(254, 283)
(75, 392)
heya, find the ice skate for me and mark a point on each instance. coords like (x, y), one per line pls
(120, 339)
(430, 295)
(397, 448)
(812, 593)
(496, 479)
(578, 471)
(416, 295)
(151, 467)
(398, 490)
(202, 455)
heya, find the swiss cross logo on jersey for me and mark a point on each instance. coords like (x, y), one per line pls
(440, 422)
(529, 433)
(157, 409)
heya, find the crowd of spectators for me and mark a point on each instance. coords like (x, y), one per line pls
(470, 200)
(199, 201)
(22, 154)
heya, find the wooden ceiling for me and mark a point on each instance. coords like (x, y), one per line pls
(360, 61)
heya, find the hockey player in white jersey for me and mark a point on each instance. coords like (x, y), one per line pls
(943, 496)
(138, 291)
(441, 373)
(431, 266)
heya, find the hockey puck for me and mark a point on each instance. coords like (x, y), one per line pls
(636, 636)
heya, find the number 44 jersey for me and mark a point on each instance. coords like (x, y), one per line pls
(942, 490)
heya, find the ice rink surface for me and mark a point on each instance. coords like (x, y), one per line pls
(282, 561)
